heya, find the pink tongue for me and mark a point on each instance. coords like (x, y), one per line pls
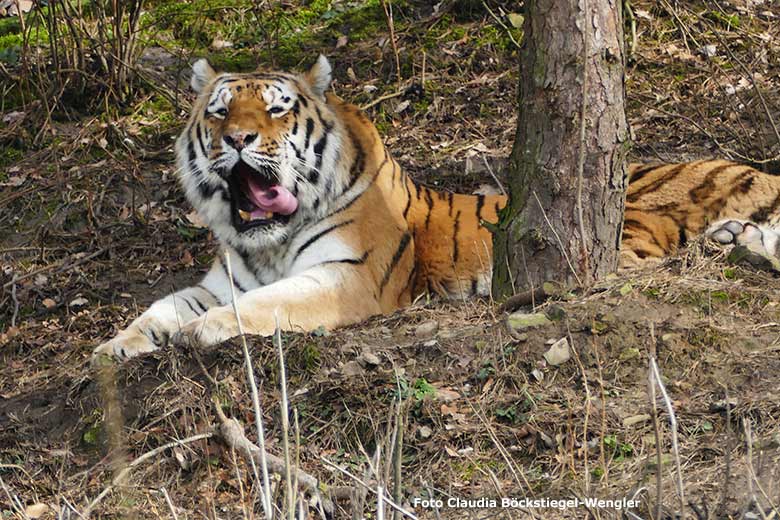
(276, 199)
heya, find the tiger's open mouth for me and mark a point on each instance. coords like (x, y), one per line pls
(257, 199)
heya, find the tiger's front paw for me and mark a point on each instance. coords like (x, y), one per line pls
(756, 238)
(146, 334)
(214, 327)
(127, 344)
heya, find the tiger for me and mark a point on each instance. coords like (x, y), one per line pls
(323, 228)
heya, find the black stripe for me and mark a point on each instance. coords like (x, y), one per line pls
(203, 308)
(473, 286)
(319, 147)
(708, 186)
(196, 313)
(498, 208)
(450, 196)
(309, 131)
(455, 230)
(353, 261)
(154, 337)
(642, 171)
(236, 284)
(409, 281)
(402, 245)
(682, 238)
(211, 293)
(480, 203)
(408, 199)
(762, 213)
(658, 182)
(429, 201)
(639, 226)
(201, 139)
(359, 162)
(318, 236)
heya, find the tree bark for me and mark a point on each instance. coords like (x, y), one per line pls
(567, 172)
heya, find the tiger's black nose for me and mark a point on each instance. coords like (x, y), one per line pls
(239, 140)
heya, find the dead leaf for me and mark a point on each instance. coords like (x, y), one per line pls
(35, 511)
(49, 303)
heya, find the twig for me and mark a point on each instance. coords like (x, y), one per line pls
(13, 500)
(143, 458)
(388, 8)
(397, 459)
(63, 267)
(168, 501)
(753, 477)
(493, 174)
(250, 375)
(560, 244)
(523, 298)
(673, 423)
(581, 159)
(367, 487)
(587, 409)
(658, 461)
(502, 24)
(232, 433)
(380, 99)
(285, 411)
(16, 302)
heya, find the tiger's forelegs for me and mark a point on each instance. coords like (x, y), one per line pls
(329, 296)
(155, 327)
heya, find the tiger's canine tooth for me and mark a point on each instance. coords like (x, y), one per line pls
(269, 214)
(245, 215)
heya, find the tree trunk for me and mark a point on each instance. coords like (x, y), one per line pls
(567, 171)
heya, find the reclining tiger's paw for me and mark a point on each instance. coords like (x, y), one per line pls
(146, 334)
(757, 238)
(212, 328)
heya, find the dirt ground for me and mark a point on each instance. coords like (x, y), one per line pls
(93, 228)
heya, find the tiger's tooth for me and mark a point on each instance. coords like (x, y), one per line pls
(269, 214)
(245, 215)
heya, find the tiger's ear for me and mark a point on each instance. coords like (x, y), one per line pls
(319, 76)
(202, 74)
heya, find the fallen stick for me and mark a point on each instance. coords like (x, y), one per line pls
(231, 431)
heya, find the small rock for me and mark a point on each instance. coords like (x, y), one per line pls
(709, 50)
(520, 321)
(352, 369)
(559, 353)
(538, 374)
(425, 432)
(546, 439)
(369, 358)
(555, 312)
(218, 44)
(79, 302)
(635, 419)
(49, 303)
(426, 329)
(520, 337)
(430, 343)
